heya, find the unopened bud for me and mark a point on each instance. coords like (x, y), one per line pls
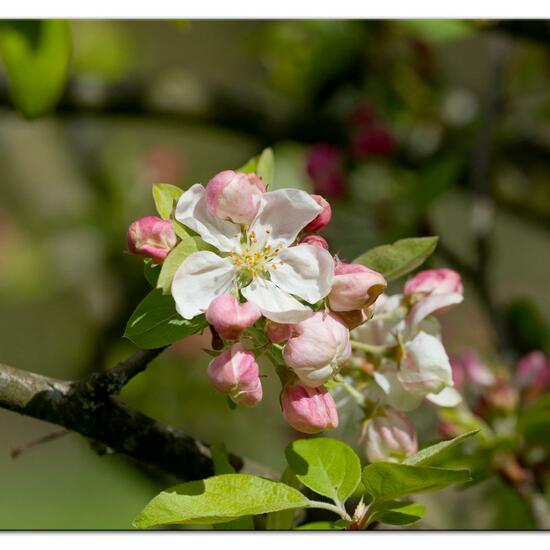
(435, 281)
(277, 333)
(317, 348)
(326, 170)
(354, 287)
(235, 372)
(151, 237)
(533, 372)
(323, 218)
(309, 410)
(315, 240)
(389, 437)
(230, 318)
(234, 196)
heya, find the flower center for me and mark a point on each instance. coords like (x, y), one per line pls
(254, 261)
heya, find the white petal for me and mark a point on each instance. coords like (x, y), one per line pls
(427, 306)
(191, 211)
(447, 397)
(283, 214)
(200, 278)
(392, 392)
(274, 303)
(307, 272)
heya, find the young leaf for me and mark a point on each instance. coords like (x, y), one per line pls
(384, 480)
(36, 57)
(151, 272)
(219, 499)
(165, 197)
(185, 248)
(327, 466)
(155, 322)
(398, 513)
(250, 167)
(266, 167)
(427, 456)
(398, 259)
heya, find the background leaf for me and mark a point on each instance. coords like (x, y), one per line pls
(155, 322)
(36, 55)
(389, 481)
(219, 499)
(284, 519)
(185, 248)
(427, 456)
(398, 259)
(165, 197)
(327, 466)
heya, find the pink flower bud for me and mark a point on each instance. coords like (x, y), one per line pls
(323, 219)
(435, 281)
(277, 333)
(354, 287)
(315, 240)
(533, 372)
(317, 348)
(234, 196)
(326, 170)
(230, 318)
(390, 437)
(309, 410)
(372, 140)
(475, 371)
(356, 317)
(236, 373)
(151, 237)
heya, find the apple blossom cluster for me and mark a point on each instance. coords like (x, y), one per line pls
(400, 362)
(268, 287)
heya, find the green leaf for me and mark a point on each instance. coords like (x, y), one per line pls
(219, 499)
(327, 466)
(155, 322)
(284, 519)
(398, 513)
(223, 466)
(427, 456)
(398, 259)
(165, 197)
(36, 57)
(185, 248)
(321, 526)
(437, 30)
(384, 480)
(266, 167)
(249, 167)
(151, 272)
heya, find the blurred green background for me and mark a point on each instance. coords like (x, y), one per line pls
(461, 149)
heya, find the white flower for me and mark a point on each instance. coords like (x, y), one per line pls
(257, 259)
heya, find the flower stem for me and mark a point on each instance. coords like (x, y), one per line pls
(369, 348)
(358, 396)
(332, 507)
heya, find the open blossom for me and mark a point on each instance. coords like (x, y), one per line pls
(258, 259)
(317, 348)
(230, 318)
(389, 437)
(309, 410)
(236, 373)
(468, 368)
(323, 218)
(354, 287)
(151, 237)
(234, 196)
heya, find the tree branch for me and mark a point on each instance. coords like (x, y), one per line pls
(119, 427)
